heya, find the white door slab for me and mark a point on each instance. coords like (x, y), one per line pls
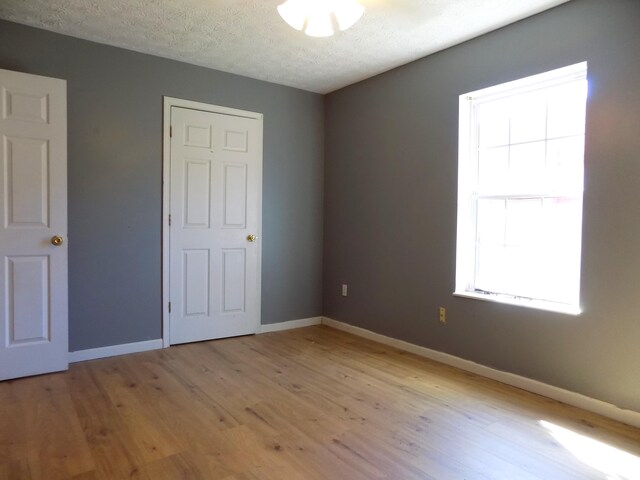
(215, 203)
(33, 210)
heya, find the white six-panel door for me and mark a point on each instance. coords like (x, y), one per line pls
(33, 217)
(214, 265)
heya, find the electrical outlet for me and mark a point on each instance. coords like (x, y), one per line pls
(344, 289)
(443, 315)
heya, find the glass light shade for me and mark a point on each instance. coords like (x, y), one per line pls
(318, 18)
(347, 13)
(319, 26)
(294, 13)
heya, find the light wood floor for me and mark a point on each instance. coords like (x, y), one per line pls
(312, 403)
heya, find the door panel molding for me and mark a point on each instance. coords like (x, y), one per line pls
(233, 141)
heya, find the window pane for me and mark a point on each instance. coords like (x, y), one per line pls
(565, 164)
(524, 275)
(490, 268)
(541, 259)
(516, 271)
(567, 108)
(543, 271)
(491, 222)
(561, 279)
(527, 168)
(493, 169)
(493, 123)
(524, 222)
(528, 117)
(563, 221)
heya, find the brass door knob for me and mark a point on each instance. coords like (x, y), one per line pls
(252, 238)
(57, 240)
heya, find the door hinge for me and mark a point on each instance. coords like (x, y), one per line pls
(169, 219)
(169, 307)
(170, 131)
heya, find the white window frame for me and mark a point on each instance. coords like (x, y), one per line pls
(467, 177)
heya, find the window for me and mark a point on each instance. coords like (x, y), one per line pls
(520, 184)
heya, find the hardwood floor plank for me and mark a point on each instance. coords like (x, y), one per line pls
(307, 404)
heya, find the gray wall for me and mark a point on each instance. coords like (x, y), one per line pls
(390, 204)
(115, 170)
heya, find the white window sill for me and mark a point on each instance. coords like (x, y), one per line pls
(521, 302)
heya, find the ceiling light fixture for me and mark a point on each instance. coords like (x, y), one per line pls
(321, 18)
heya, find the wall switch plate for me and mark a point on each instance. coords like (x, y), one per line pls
(344, 289)
(443, 315)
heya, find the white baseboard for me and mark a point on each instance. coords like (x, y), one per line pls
(291, 324)
(113, 350)
(605, 409)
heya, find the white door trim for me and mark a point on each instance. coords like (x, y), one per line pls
(166, 200)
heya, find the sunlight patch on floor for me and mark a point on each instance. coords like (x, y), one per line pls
(616, 464)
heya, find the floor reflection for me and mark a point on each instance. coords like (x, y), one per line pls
(616, 464)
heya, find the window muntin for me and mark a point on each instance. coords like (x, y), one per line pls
(520, 190)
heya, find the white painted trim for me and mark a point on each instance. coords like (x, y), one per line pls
(205, 107)
(113, 350)
(166, 207)
(521, 302)
(291, 324)
(605, 409)
(169, 102)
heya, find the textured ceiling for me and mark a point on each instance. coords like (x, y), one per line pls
(248, 37)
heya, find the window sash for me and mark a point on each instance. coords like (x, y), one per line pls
(548, 252)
